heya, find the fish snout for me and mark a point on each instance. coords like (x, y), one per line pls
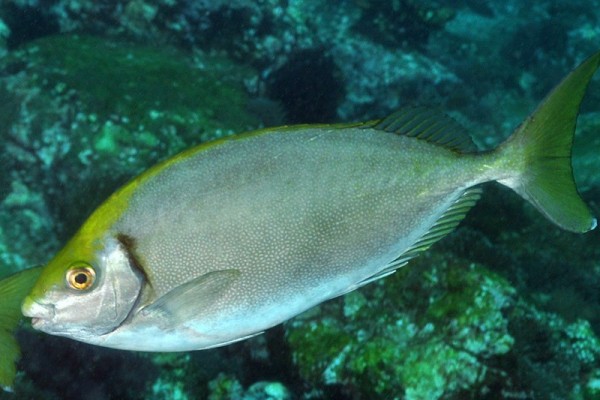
(38, 312)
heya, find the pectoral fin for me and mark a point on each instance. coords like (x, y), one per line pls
(12, 292)
(186, 302)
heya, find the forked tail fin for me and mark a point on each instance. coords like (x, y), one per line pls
(541, 150)
(12, 292)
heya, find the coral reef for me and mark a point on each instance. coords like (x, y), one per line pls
(402, 22)
(96, 91)
(552, 357)
(225, 387)
(428, 332)
(585, 160)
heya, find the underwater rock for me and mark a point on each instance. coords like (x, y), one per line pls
(4, 34)
(551, 358)
(296, 85)
(60, 369)
(170, 384)
(378, 80)
(424, 333)
(26, 21)
(267, 391)
(443, 329)
(586, 162)
(26, 229)
(225, 387)
(270, 34)
(242, 27)
(83, 114)
(401, 23)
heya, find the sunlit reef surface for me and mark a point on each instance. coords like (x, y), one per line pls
(507, 307)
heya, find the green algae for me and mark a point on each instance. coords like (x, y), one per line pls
(328, 339)
(552, 357)
(147, 86)
(420, 334)
(170, 384)
(225, 387)
(401, 22)
(25, 228)
(85, 114)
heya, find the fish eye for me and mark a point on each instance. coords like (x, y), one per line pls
(81, 276)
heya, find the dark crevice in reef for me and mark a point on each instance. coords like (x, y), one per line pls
(299, 84)
(27, 23)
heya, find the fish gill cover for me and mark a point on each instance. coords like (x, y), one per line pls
(506, 307)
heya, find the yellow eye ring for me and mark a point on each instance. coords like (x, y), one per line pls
(81, 277)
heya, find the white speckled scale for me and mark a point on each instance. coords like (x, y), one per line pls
(302, 216)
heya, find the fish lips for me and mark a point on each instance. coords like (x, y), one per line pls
(41, 314)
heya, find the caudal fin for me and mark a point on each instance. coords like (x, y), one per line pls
(12, 292)
(543, 145)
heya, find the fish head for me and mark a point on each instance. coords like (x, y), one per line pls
(86, 291)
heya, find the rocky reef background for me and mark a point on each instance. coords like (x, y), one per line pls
(506, 307)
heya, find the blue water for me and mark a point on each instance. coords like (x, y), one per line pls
(506, 307)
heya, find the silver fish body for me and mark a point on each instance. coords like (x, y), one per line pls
(302, 217)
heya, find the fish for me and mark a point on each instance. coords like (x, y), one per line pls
(232, 237)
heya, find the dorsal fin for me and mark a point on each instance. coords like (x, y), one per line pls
(429, 125)
(443, 226)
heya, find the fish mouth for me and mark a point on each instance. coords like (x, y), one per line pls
(39, 313)
(36, 322)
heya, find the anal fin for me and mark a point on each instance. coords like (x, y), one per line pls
(228, 342)
(448, 221)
